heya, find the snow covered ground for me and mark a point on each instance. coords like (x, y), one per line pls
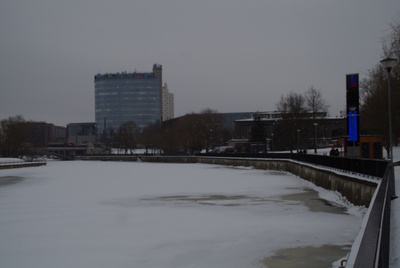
(127, 214)
(9, 160)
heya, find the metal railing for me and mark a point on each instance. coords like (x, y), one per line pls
(368, 167)
(374, 248)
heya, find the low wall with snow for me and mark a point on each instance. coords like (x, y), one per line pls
(22, 165)
(111, 157)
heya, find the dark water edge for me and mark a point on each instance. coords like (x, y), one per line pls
(314, 203)
(306, 257)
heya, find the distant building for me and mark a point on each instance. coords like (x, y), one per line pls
(167, 103)
(128, 97)
(230, 118)
(82, 134)
(39, 133)
(305, 129)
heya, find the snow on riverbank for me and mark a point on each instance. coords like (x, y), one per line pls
(117, 214)
(9, 160)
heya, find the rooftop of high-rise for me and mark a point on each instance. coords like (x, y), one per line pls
(124, 75)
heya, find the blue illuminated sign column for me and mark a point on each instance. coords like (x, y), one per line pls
(352, 107)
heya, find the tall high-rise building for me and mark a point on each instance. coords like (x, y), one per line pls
(168, 103)
(128, 97)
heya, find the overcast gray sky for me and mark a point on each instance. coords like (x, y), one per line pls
(227, 55)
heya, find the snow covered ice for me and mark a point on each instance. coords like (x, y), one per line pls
(128, 214)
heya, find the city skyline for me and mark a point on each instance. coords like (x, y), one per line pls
(229, 56)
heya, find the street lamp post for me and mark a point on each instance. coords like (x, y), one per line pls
(315, 137)
(272, 141)
(388, 64)
(298, 140)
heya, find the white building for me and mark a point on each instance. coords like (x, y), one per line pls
(167, 104)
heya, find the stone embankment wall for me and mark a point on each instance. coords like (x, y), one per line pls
(22, 165)
(357, 191)
(110, 157)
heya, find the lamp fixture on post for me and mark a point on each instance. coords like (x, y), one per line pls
(388, 64)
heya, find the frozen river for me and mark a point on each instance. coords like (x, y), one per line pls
(118, 214)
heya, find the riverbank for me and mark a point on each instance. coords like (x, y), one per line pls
(9, 163)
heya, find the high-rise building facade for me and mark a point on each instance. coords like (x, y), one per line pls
(168, 104)
(128, 97)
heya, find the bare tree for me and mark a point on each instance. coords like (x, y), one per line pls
(391, 42)
(292, 107)
(127, 136)
(151, 137)
(201, 130)
(193, 132)
(12, 138)
(210, 125)
(374, 93)
(291, 104)
(314, 101)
